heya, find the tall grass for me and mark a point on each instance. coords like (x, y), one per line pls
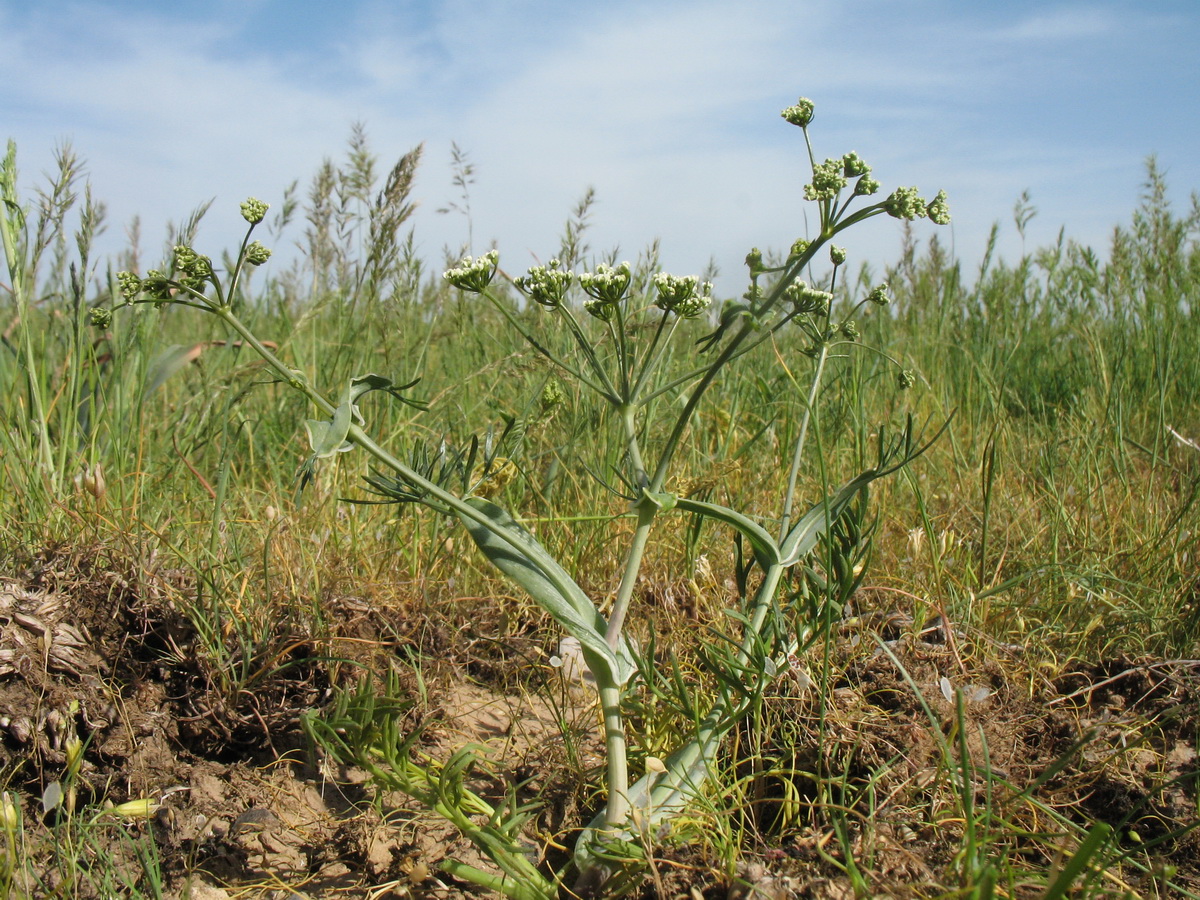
(1061, 482)
(1059, 513)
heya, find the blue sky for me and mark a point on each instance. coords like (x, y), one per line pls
(670, 110)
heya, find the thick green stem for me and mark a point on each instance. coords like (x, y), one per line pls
(637, 547)
(293, 377)
(610, 695)
(789, 499)
(629, 424)
(758, 614)
(617, 762)
(633, 564)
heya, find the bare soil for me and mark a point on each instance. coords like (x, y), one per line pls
(245, 807)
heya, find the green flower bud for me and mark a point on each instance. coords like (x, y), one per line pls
(546, 285)
(827, 181)
(879, 294)
(938, 210)
(157, 286)
(253, 210)
(849, 330)
(256, 253)
(74, 753)
(100, 317)
(905, 380)
(553, 395)
(607, 284)
(754, 261)
(805, 299)
(905, 203)
(600, 309)
(799, 248)
(184, 257)
(130, 285)
(854, 165)
(473, 275)
(799, 114)
(685, 296)
(837, 255)
(10, 812)
(195, 268)
(866, 186)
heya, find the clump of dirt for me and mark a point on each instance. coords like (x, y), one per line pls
(105, 661)
(910, 721)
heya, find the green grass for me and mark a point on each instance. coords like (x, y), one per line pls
(1057, 513)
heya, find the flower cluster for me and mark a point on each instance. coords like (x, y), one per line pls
(599, 309)
(799, 114)
(799, 248)
(553, 395)
(195, 269)
(837, 255)
(546, 285)
(257, 254)
(473, 275)
(100, 316)
(608, 284)
(854, 165)
(254, 210)
(879, 294)
(938, 209)
(805, 299)
(905, 203)
(130, 285)
(685, 296)
(606, 287)
(828, 180)
(157, 286)
(754, 262)
(866, 186)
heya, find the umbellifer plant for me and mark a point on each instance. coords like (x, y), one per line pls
(619, 334)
